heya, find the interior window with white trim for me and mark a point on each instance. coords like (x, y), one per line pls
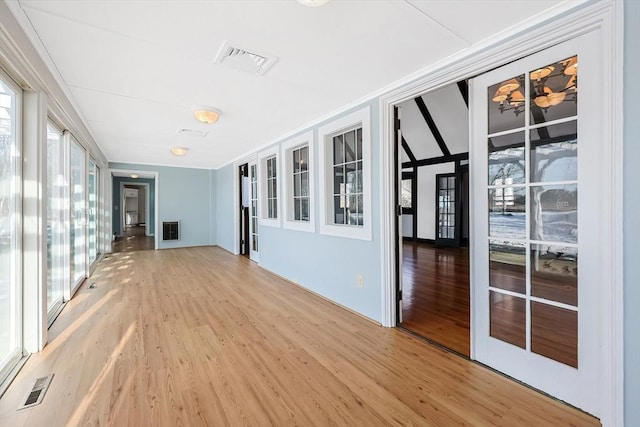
(297, 171)
(272, 188)
(301, 200)
(345, 176)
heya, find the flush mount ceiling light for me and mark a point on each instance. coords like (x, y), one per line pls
(179, 151)
(134, 175)
(206, 114)
(313, 3)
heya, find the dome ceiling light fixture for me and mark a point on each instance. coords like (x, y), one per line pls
(313, 3)
(134, 175)
(179, 151)
(206, 114)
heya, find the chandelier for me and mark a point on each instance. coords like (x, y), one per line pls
(550, 86)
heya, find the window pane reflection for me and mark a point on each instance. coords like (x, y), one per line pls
(506, 159)
(506, 105)
(554, 273)
(554, 333)
(508, 266)
(507, 212)
(554, 153)
(508, 318)
(554, 91)
(554, 213)
(78, 219)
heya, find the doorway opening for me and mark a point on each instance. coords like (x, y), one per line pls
(244, 187)
(133, 212)
(433, 229)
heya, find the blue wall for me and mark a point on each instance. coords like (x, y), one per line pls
(631, 210)
(325, 264)
(225, 206)
(116, 200)
(183, 194)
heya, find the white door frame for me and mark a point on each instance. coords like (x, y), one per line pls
(558, 25)
(156, 177)
(147, 227)
(236, 199)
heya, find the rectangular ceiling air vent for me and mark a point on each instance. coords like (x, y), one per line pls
(244, 59)
(192, 132)
(36, 392)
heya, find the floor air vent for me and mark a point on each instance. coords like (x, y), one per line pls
(36, 392)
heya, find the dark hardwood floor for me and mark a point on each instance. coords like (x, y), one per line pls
(435, 294)
(133, 240)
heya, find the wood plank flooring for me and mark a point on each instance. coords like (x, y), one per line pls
(197, 336)
(133, 239)
(435, 294)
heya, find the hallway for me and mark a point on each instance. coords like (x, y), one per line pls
(133, 239)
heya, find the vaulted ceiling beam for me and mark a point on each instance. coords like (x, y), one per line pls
(407, 150)
(437, 160)
(432, 125)
(464, 91)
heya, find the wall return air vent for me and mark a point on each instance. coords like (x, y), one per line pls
(244, 60)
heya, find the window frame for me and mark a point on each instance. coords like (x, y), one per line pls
(409, 175)
(358, 119)
(287, 148)
(263, 194)
(16, 258)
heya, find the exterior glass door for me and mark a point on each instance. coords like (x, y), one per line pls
(93, 199)
(57, 230)
(10, 213)
(536, 236)
(78, 215)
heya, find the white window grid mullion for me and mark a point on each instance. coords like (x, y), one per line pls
(554, 303)
(553, 243)
(553, 122)
(527, 180)
(547, 183)
(508, 131)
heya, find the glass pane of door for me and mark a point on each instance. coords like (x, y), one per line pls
(56, 245)
(78, 214)
(253, 211)
(93, 198)
(10, 251)
(447, 210)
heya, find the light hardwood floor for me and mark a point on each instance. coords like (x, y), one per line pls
(198, 336)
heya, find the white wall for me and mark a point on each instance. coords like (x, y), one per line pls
(427, 198)
(407, 225)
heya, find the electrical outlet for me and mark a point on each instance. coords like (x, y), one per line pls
(360, 281)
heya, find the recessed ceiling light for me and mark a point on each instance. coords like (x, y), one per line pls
(313, 3)
(179, 151)
(206, 114)
(134, 175)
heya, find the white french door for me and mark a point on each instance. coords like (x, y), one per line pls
(78, 213)
(253, 211)
(539, 233)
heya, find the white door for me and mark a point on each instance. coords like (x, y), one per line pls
(253, 211)
(539, 234)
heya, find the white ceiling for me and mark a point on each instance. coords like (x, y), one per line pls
(135, 68)
(451, 117)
